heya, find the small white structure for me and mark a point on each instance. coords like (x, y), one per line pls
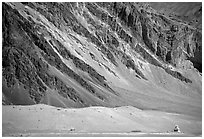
(177, 129)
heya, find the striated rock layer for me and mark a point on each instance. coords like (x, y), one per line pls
(103, 54)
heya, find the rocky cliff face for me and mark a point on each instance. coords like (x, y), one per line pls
(108, 54)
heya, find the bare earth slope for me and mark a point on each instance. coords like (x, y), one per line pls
(94, 121)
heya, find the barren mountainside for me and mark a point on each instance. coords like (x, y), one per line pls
(101, 54)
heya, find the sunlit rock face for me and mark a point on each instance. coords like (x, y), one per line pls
(106, 54)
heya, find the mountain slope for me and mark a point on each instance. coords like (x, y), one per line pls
(187, 12)
(101, 54)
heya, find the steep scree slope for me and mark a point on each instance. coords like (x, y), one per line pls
(107, 54)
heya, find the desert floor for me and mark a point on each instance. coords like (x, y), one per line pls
(44, 120)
